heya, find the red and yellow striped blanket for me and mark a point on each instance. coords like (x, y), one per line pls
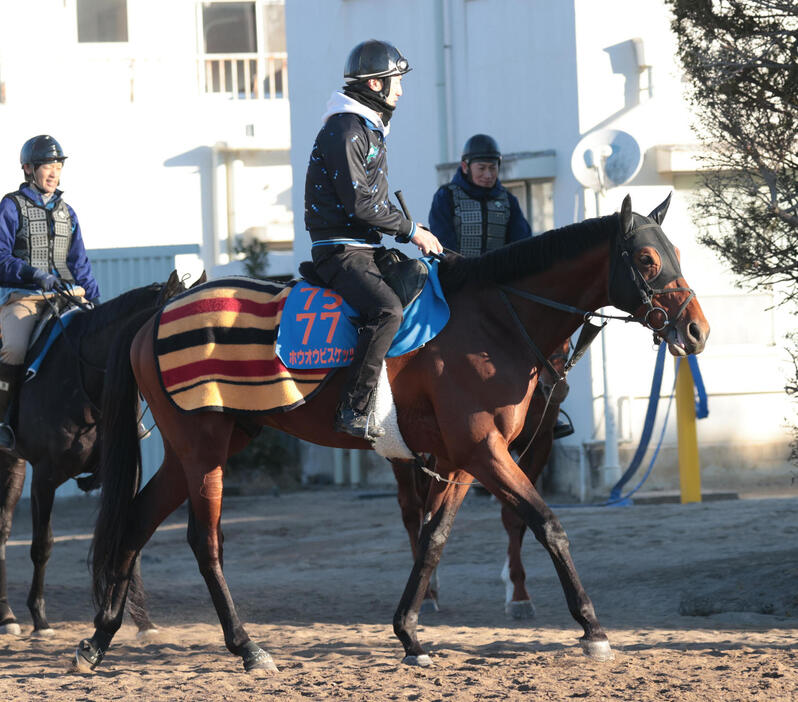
(214, 346)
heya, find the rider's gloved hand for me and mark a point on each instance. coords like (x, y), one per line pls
(46, 281)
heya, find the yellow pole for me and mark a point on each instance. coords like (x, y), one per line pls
(689, 467)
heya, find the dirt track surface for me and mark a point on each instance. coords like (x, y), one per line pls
(700, 603)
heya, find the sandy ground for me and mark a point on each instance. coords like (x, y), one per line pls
(700, 603)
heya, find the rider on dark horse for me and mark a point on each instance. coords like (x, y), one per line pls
(40, 245)
(347, 211)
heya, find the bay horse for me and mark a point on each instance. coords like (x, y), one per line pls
(533, 448)
(462, 397)
(56, 419)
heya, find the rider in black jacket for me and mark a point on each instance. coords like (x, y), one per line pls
(347, 211)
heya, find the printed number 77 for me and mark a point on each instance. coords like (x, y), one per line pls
(310, 318)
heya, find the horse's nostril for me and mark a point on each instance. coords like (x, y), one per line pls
(694, 332)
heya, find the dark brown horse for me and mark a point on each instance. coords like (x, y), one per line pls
(533, 448)
(463, 397)
(57, 416)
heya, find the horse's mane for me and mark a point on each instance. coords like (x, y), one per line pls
(526, 257)
(119, 307)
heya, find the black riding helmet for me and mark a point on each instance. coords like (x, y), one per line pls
(375, 59)
(41, 149)
(481, 147)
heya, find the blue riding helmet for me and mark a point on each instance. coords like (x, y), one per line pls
(41, 149)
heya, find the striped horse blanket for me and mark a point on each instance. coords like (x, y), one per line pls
(214, 346)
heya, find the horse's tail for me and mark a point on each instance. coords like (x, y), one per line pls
(120, 457)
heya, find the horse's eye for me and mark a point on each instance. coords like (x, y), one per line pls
(646, 260)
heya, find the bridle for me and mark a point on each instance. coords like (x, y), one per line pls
(623, 251)
(645, 291)
(620, 298)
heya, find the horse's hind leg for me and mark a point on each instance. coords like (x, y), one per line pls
(517, 603)
(41, 503)
(443, 501)
(137, 605)
(493, 466)
(161, 496)
(12, 479)
(204, 466)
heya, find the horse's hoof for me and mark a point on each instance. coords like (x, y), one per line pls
(87, 657)
(429, 606)
(259, 663)
(147, 636)
(597, 650)
(47, 633)
(423, 661)
(520, 609)
(12, 628)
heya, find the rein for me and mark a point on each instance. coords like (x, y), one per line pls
(80, 360)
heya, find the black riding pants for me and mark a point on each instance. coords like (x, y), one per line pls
(353, 274)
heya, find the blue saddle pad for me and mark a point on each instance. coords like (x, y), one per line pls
(55, 332)
(317, 331)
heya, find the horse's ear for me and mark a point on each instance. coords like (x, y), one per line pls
(658, 213)
(174, 279)
(626, 215)
(199, 281)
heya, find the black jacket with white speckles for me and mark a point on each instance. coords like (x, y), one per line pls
(346, 188)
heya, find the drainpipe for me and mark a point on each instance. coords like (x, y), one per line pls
(211, 258)
(447, 121)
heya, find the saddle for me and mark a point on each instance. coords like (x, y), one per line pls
(406, 276)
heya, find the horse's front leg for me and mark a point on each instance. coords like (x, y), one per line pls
(12, 479)
(42, 495)
(412, 487)
(493, 466)
(443, 501)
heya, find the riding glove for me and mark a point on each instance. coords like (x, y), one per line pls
(46, 281)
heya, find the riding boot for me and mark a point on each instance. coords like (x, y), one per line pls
(10, 379)
(358, 423)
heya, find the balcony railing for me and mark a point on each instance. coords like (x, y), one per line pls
(244, 76)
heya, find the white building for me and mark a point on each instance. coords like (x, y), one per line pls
(174, 116)
(175, 119)
(539, 75)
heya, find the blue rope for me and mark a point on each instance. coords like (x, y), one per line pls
(702, 411)
(648, 425)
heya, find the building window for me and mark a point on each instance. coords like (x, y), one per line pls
(102, 20)
(243, 46)
(536, 198)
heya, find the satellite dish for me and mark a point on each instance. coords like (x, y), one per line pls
(605, 159)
